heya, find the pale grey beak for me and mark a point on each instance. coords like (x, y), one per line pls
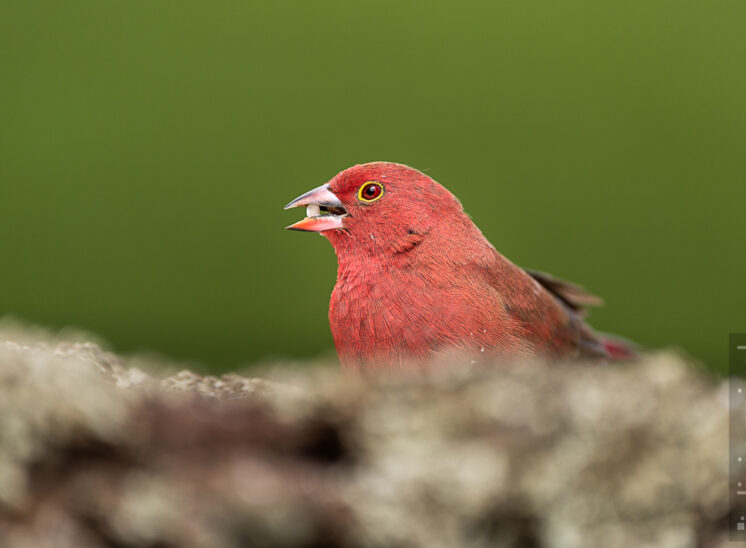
(320, 196)
(324, 211)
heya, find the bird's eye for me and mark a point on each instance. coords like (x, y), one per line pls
(370, 192)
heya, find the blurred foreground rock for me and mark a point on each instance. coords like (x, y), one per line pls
(96, 453)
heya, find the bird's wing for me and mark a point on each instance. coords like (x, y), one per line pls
(572, 295)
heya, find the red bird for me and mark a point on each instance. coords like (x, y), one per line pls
(417, 276)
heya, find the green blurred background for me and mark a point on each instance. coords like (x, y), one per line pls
(147, 150)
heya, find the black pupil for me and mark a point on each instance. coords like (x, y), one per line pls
(371, 191)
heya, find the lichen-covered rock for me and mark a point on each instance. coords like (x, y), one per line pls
(95, 452)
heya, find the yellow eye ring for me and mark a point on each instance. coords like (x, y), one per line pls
(370, 192)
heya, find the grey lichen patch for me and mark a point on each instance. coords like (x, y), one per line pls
(49, 395)
(96, 452)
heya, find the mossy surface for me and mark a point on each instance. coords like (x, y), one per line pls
(97, 452)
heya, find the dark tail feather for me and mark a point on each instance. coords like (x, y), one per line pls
(573, 295)
(619, 348)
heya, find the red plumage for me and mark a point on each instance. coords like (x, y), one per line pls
(416, 276)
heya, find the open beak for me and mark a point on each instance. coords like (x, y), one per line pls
(324, 211)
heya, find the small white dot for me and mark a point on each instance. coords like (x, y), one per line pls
(739, 459)
(740, 390)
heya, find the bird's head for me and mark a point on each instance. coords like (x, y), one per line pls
(376, 206)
